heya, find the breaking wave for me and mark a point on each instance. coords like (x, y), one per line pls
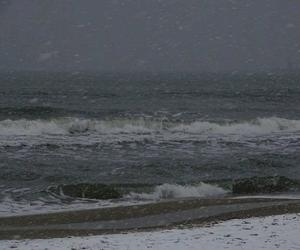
(170, 191)
(69, 126)
(65, 126)
(12, 206)
(256, 126)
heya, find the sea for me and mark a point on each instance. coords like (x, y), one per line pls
(155, 136)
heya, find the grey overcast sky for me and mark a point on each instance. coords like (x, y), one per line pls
(149, 35)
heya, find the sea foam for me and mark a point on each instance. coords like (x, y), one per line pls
(170, 191)
(69, 126)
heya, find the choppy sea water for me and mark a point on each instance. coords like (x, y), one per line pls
(174, 133)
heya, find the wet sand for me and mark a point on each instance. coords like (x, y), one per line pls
(185, 212)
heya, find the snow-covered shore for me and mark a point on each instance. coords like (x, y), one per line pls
(273, 232)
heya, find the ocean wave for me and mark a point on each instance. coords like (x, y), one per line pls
(71, 126)
(256, 126)
(75, 126)
(10, 206)
(265, 184)
(170, 191)
(13, 202)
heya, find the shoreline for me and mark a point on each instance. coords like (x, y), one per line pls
(271, 232)
(162, 215)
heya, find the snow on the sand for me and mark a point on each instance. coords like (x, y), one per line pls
(274, 232)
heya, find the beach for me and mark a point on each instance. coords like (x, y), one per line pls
(161, 215)
(272, 232)
(227, 223)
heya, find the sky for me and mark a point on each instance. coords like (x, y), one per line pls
(149, 35)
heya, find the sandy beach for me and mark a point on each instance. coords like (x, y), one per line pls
(162, 215)
(272, 232)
